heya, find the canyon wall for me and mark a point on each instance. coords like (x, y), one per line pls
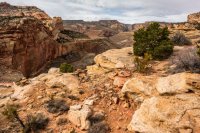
(27, 37)
(27, 42)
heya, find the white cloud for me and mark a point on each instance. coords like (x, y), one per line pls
(127, 11)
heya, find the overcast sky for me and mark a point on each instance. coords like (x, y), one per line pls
(127, 11)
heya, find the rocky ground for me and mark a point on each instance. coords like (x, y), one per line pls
(105, 93)
(109, 97)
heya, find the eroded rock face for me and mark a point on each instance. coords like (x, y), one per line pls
(194, 18)
(27, 38)
(24, 11)
(27, 42)
(169, 104)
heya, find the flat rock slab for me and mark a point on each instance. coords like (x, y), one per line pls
(167, 114)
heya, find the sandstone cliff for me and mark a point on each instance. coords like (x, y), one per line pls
(94, 29)
(22, 11)
(27, 42)
(194, 18)
(27, 37)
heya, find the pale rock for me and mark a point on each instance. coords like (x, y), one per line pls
(178, 83)
(96, 70)
(88, 102)
(167, 114)
(120, 65)
(119, 81)
(53, 70)
(23, 92)
(64, 80)
(115, 58)
(142, 86)
(80, 117)
(76, 107)
(115, 100)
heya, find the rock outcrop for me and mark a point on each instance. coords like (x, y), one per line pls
(168, 114)
(52, 79)
(28, 38)
(113, 59)
(79, 115)
(27, 42)
(170, 105)
(29, 11)
(194, 18)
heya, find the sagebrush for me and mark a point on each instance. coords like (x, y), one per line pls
(186, 60)
(180, 39)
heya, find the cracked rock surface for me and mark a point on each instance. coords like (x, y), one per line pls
(174, 110)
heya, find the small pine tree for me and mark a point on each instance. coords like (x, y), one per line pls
(154, 41)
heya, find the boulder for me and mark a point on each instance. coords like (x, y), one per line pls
(170, 104)
(21, 92)
(53, 70)
(178, 83)
(64, 80)
(115, 58)
(79, 116)
(172, 84)
(143, 86)
(167, 114)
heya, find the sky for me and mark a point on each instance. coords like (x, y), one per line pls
(126, 11)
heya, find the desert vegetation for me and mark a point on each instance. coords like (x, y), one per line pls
(33, 123)
(56, 106)
(186, 60)
(65, 68)
(180, 39)
(154, 41)
(143, 63)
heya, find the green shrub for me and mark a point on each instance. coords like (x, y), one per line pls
(154, 41)
(64, 68)
(180, 39)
